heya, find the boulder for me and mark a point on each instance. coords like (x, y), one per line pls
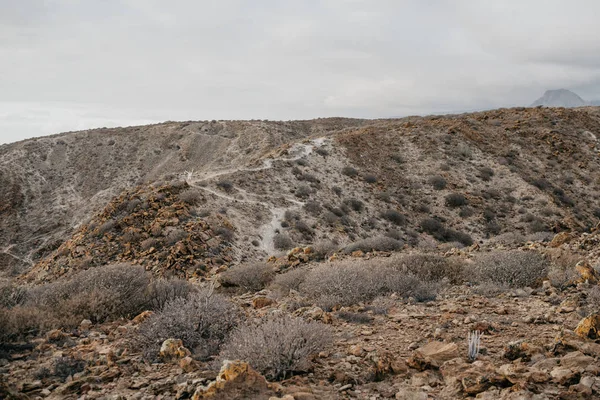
(187, 364)
(433, 355)
(576, 361)
(587, 273)
(85, 325)
(564, 376)
(142, 317)
(236, 380)
(589, 327)
(173, 350)
(261, 302)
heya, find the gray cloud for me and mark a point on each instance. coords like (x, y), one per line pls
(72, 65)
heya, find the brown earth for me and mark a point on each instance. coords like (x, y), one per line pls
(194, 199)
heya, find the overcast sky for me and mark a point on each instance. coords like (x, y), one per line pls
(77, 64)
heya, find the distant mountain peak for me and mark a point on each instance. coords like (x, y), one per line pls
(559, 98)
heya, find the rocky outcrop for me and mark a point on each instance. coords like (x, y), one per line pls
(236, 380)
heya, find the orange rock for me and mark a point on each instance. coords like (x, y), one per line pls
(587, 273)
(261, 302)
(560, 239)
(188, 364)
(142, 317)
(589, 327)
(236, 380)
(357, 253)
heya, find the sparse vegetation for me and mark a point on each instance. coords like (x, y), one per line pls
(202, 321)
(394, 217)
(378, 243)
(455, 200)
(225, 185)
(282, 241)
(349, 171)
(438, 182)
(436, 229)
(513, 268)
(250, 277)
(278, 346)
(352, 282)
(370, 178)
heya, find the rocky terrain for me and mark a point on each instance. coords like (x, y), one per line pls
(327, 259)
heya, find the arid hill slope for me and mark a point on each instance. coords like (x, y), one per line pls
(497, 175)
(50, 185)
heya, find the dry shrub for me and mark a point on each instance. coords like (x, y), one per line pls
(438, 182)
(202, 321)
(513, 268)
(436, 229)
(191, 196)
(175, 235)
(349, 171)
(593, 299)
(455, 200)
(394, 217)
(289, 280)
(98, 294)
(282, 241)
(352, 282)
(354, 204)
(378, 243)
(67, 366)
(279, 346)
(490, 289)
(161, 291)
(20, 322)
(303, 228)
(356, 318)
(11, 295)
(323, 249)
(250, 277)
(430, 267)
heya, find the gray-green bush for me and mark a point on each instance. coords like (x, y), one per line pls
(278, 346)
(513, 268)
(203, 321)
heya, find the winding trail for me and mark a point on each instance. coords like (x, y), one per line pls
(267, 231)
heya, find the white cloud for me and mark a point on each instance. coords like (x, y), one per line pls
(119, 62)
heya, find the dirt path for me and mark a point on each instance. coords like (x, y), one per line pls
(267, 231)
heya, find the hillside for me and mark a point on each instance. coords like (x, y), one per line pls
(325, 259)
(493, 175)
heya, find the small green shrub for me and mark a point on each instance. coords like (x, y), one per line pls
(370, 178)
(455, 200)
(438, 182)
(225, 185)
(378, 243)
(394, 217)
(354, 204)
(349, 171)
